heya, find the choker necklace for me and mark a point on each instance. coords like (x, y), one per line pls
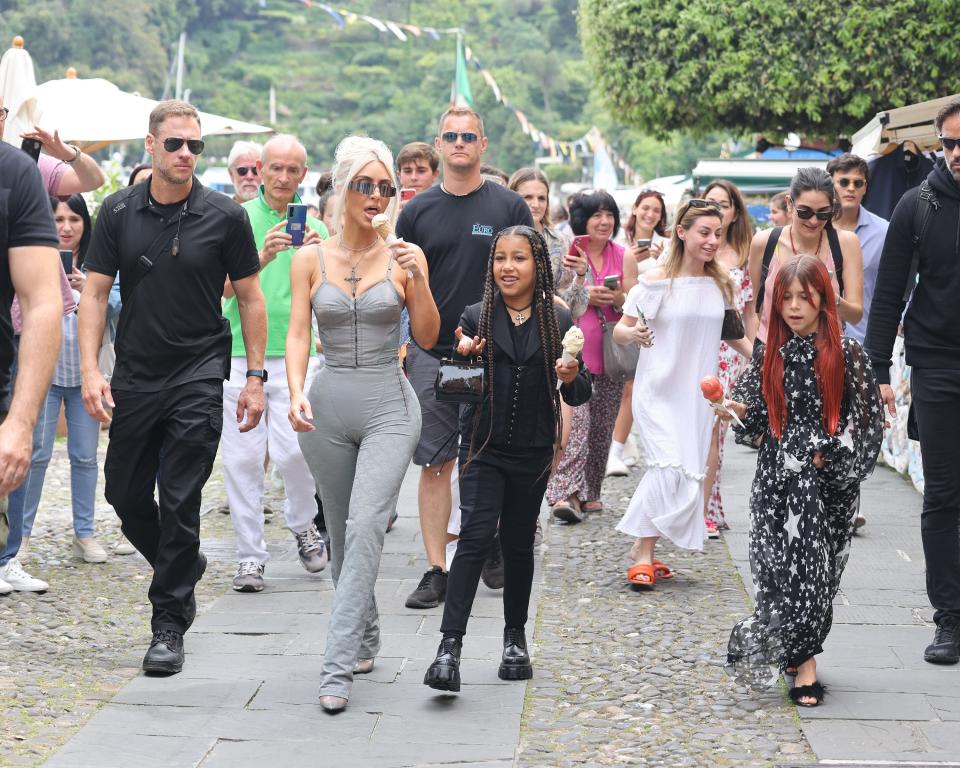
(464, 194)
(797, 253)
(354, 277)
(518, 318)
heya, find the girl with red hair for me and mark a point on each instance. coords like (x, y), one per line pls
(812, 399)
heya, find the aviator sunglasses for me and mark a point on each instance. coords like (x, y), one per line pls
(857, 183)
(366, 188)
(451, 136)
(172, 144)
(243, 170)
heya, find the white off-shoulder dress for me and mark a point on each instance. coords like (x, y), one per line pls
(673, 419)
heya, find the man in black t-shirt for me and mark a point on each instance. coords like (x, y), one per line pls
(454, 223)
(29, 266)
(174, 244)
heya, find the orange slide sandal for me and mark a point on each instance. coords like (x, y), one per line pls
(641, 575)
(661, 570)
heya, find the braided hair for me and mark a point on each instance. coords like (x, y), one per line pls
(547, 325)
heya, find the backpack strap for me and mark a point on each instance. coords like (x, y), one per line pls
(833, 240)
(768, 251)
(927, 203)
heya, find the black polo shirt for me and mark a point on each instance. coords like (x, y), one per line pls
(171, 329)
(26, 219)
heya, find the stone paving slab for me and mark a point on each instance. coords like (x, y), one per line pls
(883, 701)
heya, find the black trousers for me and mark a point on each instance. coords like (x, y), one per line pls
(504, 486)
(165, 440)
(936, 398)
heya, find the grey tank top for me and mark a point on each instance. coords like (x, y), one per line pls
(362, 332)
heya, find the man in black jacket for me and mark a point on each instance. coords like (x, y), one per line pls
(931, 330)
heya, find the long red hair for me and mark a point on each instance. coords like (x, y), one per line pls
(829, 362)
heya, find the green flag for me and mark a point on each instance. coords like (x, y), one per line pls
(461, 95)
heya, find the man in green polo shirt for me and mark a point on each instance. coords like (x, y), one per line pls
(282, 167)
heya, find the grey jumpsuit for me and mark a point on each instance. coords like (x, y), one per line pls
(367, 421)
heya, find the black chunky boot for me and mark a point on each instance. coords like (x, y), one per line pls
(444, 673)
(515, 664)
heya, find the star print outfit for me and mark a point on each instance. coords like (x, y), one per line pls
(730, 366)
(801, 518)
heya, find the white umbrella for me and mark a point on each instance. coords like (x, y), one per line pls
(94, 112)
(17, 84)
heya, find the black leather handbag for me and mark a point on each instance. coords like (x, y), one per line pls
(732, 325)
(461, 381)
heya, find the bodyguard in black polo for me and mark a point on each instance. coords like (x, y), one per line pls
(174, 244)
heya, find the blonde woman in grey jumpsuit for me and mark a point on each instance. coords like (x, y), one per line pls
(361, 421)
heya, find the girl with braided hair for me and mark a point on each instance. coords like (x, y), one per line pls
(509, 441)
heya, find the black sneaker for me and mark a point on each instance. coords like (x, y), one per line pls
(945, 648)
(165, 654)
(444, 673)
(492, 573)
(515, 664)
(431, 591)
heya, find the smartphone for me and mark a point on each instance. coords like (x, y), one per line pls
(296, 222)
(406, 194)
(611, 282)
(642, 244)
(580, 241)
(67, 258)
(32, 147)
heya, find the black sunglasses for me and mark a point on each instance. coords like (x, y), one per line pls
(948, 143)
(809, 213)
(857, 183)
(451, 136)
(3, 113)
(367, 187)
(243, 170)
(172, 144)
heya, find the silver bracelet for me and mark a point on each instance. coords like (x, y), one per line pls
(76, 154)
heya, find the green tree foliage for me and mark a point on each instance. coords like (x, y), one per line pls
(819, 67)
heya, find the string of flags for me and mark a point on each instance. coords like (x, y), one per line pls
(586, 144)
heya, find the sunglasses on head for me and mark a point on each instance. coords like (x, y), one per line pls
(857, 183)
(451, 136)
(365, 187)
(172, 144)
(808, 213)
(948, 143)
(698, 203)
(243, 170)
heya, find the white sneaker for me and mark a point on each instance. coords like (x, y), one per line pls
(5, 589)
(89, 550)
(616, 467)
(13, 574)
(123, 546)
(631, 451)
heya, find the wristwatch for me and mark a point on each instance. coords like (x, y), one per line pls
(260, 373)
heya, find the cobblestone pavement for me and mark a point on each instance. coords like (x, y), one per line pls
(65, 652)
(625, 677)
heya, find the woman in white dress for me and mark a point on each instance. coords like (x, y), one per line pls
(675, 313)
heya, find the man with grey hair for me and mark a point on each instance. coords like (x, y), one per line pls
(242, 165)
(282, 167)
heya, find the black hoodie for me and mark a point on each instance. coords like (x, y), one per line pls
(931, 327)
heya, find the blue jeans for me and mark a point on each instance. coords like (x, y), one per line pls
(83, 435)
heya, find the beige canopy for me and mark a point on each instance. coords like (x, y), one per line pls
(895, 126)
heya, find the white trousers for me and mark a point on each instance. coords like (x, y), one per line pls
(243, 455)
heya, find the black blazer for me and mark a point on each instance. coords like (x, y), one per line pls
(523, 409)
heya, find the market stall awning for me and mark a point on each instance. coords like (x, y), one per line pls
(93, 112)
(895, 126)
(753, 177)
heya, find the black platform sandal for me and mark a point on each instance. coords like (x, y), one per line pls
(813, 691)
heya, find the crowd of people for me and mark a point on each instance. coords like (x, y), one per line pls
(449, 322)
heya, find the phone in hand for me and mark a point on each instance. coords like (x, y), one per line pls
(643, 244)
(407, 194)
(611, 282)
(67, 258)
(580, 241)
(296, 222)
(32, 147)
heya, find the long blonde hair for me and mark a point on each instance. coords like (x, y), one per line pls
(686, 217)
